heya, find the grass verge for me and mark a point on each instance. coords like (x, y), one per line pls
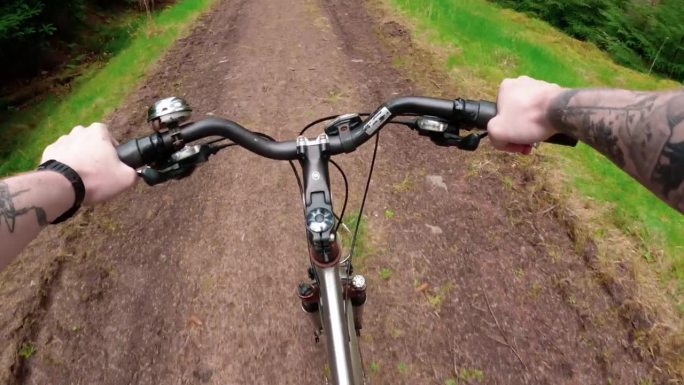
(479, 44)
(362, 247)
(24, 133)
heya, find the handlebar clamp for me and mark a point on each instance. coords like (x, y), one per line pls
(342, 127)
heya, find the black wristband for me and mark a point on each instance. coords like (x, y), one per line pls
(76, 183)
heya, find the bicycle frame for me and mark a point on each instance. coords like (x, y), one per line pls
(335, 307)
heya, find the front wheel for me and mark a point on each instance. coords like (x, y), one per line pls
(354, 348)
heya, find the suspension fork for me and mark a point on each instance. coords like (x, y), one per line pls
(328, 300)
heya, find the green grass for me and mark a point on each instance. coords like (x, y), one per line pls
(27, 350)
(486, 43)
(374, 367)
(385, 273)
(362, 247)
(630, 206)
(470, 375)
(437, 299)
(402, 368)
(24, 133)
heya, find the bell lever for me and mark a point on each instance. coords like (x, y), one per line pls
(445, 134)
(432, 125)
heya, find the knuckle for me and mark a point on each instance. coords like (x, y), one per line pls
(102, 129)
(98, 126)
(493, 124)
(507, 84)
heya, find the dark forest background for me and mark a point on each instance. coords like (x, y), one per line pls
(41, 35)
(636, 33)
(37, 36)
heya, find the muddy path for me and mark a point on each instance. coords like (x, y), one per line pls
(193, 282)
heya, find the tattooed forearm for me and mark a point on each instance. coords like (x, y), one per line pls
(9, 213)
(642, 132)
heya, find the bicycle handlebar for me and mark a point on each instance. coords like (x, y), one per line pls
(159, 146)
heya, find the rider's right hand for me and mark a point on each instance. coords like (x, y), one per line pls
(521, 120)
(90, 152)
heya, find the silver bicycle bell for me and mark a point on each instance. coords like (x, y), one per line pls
(168, 113)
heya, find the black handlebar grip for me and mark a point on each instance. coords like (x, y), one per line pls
(129, 153)
(139, 152)
(487, 111)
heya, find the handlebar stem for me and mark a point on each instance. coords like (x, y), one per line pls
(318, 210)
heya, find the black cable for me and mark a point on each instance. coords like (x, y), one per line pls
(299, 181)
(216, 148)
(365, 193)
(294, 169)
(346, 194)
(315, 122)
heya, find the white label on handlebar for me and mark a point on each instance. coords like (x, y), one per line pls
(377, 120)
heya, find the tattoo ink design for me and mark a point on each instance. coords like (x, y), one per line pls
(641, 132)
(9, 213)
(669, 171)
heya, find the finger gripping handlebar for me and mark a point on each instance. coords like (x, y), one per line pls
(481, 112)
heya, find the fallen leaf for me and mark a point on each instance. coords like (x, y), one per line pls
(194, 320)
(422, 287)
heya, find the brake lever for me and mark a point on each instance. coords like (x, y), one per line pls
(469, 142)
(154, 177)
(180, 164)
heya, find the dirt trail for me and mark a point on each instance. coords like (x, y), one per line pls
(193, 282)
